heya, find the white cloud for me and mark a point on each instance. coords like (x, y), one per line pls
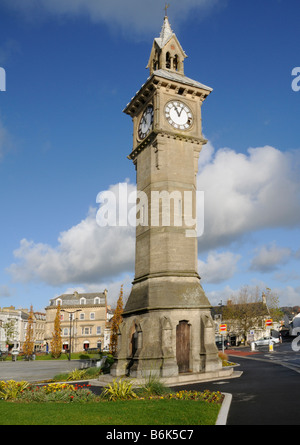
(269, 258)
(289, 296)
(248, 192)
(113, 289)
(86, 253)
(129, 15)
(218, 267)
(243, 193)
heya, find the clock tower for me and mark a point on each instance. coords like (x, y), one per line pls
(167, 328)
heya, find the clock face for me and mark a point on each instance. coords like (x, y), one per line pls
(178, 115)
(145, 124)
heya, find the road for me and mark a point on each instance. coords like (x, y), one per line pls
(283, 353)
(267, 393)
(33, 371)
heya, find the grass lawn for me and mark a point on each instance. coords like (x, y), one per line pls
(133, 412)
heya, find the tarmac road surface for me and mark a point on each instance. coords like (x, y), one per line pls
(267, 393)
(34, 371)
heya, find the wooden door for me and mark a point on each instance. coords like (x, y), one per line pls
(183, 346)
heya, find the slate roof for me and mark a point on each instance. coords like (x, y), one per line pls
(171, 75)
(74, 299)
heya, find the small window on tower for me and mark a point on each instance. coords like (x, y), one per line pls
(168, 60)
(175, 63)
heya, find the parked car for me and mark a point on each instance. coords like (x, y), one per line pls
(220, 346)
(266, 341)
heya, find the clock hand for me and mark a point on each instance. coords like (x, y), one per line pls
(177, 111)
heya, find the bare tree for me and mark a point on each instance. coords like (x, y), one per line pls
(249, 309)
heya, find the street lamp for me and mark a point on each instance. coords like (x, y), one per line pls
(71, 319)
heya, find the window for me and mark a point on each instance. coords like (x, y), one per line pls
(65, 331)
(81, 316)
(168, 60)
(98, 330)
(175, 63)
(92, 316)
(86, 331)
(82, 300)
(97, 300)
(58, 301)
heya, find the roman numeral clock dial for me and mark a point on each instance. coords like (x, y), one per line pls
(178, 115)
(146, 122)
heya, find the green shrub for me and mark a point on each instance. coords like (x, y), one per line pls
(119, 390)
(92, 373)
(11, 389)
(59, 378)
(77, 374)
(153, 386)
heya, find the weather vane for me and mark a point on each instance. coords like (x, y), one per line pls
(166, 9)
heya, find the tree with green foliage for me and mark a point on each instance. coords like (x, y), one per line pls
(115, 323)
(11, 331)
(28, 346)
(56, 342)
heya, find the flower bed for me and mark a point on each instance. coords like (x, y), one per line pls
(69, 393)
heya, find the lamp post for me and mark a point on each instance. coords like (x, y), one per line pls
(71, 319)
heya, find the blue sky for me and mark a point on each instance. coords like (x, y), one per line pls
(71, 68)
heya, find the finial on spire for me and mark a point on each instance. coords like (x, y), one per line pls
(166, 9)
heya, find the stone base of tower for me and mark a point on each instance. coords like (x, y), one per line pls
(167, 343)
(179, 380)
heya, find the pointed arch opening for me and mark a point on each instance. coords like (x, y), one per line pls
(175, 62)
(168, 60)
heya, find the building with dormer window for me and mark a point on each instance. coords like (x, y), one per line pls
(83, 320)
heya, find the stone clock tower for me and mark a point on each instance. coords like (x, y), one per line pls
(167, 328)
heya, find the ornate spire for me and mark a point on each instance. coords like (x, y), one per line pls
(166, 52)
(166, 32)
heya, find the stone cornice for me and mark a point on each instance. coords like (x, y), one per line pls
(179, 85)
(167, 134)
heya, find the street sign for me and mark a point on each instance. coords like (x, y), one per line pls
(223, 328)
(269, 322)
